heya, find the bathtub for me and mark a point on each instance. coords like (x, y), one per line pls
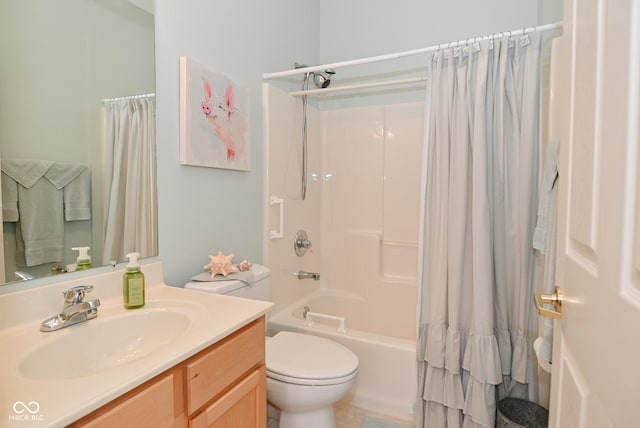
(386, 381)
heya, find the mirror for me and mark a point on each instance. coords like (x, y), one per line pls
(60, 61)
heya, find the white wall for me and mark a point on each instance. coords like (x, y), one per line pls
(205, 210)
(362, 28)
(549, 11)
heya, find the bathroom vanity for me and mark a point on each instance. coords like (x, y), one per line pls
(191, 393)
(185, 359)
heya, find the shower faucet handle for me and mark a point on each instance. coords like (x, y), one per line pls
(301, 243)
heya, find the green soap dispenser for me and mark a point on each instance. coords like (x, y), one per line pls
(84, 259)
(133, 283)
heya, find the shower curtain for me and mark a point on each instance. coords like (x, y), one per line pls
(476, 321)
(130, 222)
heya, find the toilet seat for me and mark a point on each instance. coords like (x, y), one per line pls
(311, 382)
(304, 359)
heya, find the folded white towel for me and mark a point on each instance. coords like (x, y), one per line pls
(9, 199)
(47, 193)
(25, 171)
(247, 277)
(41, 223)
(75, 180)
(61, 174)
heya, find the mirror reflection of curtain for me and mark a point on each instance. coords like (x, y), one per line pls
(130, 220)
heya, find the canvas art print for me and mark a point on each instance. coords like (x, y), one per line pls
(214, 119)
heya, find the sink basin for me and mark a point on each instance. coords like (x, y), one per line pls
(101, 344)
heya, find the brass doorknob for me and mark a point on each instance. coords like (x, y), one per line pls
(554, 299)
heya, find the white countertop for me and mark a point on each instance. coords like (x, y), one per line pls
(26, 401)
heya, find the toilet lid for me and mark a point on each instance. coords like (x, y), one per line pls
(302, 356)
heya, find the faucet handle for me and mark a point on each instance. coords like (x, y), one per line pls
(76, 294)
(301, 243)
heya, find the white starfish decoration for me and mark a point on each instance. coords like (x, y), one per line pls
(221, 264)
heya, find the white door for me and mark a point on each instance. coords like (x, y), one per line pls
(595, 98)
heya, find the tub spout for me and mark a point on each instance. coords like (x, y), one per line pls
(307, 275)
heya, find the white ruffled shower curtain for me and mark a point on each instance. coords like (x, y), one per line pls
(130, 204)
(476, 321)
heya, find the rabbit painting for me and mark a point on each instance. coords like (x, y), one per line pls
(227, 124)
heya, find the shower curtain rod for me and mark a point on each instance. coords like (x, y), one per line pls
(130, 97)
(359, 86)
(268, 76)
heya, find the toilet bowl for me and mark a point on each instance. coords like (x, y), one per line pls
(305, 374)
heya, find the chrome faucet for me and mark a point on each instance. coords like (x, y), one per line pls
(301, 244)
(75, 310)
(308, 275)
(23, 276)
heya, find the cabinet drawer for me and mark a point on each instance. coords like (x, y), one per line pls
(152, 407)
(243, 406)
(209, 374)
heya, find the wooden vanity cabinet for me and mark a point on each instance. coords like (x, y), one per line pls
(244, 405)
(235, 374)
(221, 386)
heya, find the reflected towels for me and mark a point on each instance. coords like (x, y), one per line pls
(41, 195)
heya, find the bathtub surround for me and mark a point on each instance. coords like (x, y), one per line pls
(363, 162)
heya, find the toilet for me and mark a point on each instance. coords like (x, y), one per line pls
(306, 374)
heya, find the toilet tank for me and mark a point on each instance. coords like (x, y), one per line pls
(259, 290)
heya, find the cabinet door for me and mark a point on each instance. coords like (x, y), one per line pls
(243, 406)
(152, 407)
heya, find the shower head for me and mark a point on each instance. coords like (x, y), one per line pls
(323, 80)
(320, 79)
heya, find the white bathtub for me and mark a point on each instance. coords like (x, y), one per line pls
(386, 381)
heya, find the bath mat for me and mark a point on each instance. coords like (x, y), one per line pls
(370, 422)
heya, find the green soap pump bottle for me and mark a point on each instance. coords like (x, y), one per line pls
(133, 283)
(84, 260)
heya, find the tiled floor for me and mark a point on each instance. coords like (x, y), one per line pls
(348, 416)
